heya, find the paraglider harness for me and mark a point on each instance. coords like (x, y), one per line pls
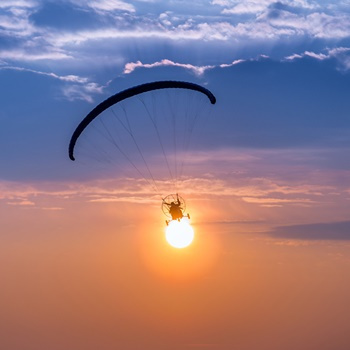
(175, 210)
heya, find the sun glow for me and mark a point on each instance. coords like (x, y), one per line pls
(179, 234)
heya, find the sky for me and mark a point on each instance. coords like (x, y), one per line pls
(84, 263)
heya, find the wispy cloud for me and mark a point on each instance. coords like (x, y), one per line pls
(109, 5)
(52, 208)
(15, 18)
(34, 56)
(23, 202)
(124, 199)
(225, 65)
(246, 7)
(77, 88)
(341, 54)
(257, 6)
(268, 20)
(14, 4)
(198, 70)
(250, 183)
(270, 23)
(67, 78)
(277, 202)
(82, 92)
(316, 25)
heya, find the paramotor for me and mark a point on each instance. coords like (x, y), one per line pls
(147, 129)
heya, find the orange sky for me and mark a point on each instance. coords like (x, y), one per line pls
(79, 274)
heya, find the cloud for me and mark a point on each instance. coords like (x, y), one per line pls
(103, 7)
(246, 7)
(77, 88)
(315, 25)
(52, 208)
(198, 70)
(317, 56)
(124, 199)
(271, 24)
(189, 31)
(269, 21)
(277, 202)
(14, 18)
(294, 56)
(255, 7)
(341, 54)
(221, 2)
(32, 56)
(233, 182)
(82, 92)
(13, 4)
(315, 231)
(67, 78)
(225, 65)
(110, 5)
(23, 202)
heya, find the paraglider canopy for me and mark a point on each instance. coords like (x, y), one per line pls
(128, 93)
(144, 132)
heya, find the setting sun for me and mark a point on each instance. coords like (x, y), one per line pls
(179, 234)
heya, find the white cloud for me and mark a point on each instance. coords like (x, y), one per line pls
(110, 5)
(256, 7)
(198, 70)
(10, 4)
(68, 78)
(338, 50)
(172, 26)
(319, 56)
(165, 19)
(233, 63)
(83, 91)
(104, 6)
(246, 7)
(189, 31)
(221, 2)
(289, 25)
(14, 18)
(317, 24)
(294, 56)
(35, 43)
(341, 54)
(26, 55)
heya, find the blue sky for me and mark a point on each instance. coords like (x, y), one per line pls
(280, 71)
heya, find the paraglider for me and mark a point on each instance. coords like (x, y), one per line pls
(139, 126)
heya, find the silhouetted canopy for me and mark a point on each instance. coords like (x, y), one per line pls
(125, 94)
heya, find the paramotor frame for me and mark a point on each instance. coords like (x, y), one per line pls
(169, 199)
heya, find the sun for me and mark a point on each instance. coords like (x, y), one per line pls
(179, 234)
